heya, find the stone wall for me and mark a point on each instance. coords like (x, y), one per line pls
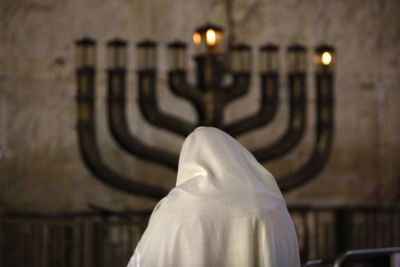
(40, 165)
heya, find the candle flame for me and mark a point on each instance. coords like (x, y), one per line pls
(326, 58)
(211, 37)
(197, 38)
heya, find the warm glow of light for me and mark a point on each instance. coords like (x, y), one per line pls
(326, 58)
(197, 38)
(211, 37)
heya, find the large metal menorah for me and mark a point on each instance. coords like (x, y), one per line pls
(221, 78)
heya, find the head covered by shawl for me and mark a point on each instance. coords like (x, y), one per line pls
(226, 210)
(223, 164)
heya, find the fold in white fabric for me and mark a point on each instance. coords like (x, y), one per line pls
(226, 210)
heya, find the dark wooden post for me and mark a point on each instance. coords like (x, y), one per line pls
(343, 229)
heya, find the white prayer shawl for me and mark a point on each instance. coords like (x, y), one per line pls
(226, 210)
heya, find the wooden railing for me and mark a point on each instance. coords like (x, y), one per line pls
(108, 239)
(327, 231)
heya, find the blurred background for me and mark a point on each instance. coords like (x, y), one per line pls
(59, 212)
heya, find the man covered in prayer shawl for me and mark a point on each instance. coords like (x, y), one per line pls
(225, 211)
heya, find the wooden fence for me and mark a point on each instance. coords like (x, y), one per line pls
(108, 240)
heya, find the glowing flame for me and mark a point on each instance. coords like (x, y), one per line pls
(197, 38)
(326, 58)
(211, 37)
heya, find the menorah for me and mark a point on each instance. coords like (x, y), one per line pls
(220, 79)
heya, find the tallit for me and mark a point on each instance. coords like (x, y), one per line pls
(226, 210)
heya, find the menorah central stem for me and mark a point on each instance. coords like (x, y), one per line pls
(210, 71)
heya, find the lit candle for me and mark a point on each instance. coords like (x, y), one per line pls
(207, 39)
(211, 37)
(326, 58)
(197, 39)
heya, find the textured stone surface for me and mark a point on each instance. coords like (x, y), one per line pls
(40, 166)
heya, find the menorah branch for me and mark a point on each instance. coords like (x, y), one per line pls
(119, 127)
(179, 85)
(239, 87)
(296, 124)
(148, 103)
(88, 147)
(324, 135)
(267, 107)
